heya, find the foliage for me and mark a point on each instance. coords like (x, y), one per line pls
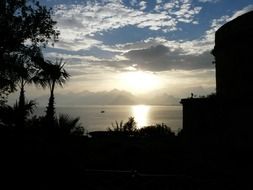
(69, 126)
(159, 130)
(26, 26)
(10, 116)
(28, 108)
(4, 92)
(118, 127)
(23, 20)
(129, 127)
(52, 74)
(7, 116)
(25, 71)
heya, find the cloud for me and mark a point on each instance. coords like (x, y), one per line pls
(242, 11)
(79, 22)
(76, 43)
(209, 35)
(208, 1)
(133, 2)
(143, 5)
(196, 46)
(183, 10)
(162, 58)
(95, 52)
(205, 42)
(153, 54)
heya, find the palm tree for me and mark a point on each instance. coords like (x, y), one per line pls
(130, 125)
(25, 71)
(69, 126)
(21, 68)
(118, 127)
(127, 128)
(52, 74)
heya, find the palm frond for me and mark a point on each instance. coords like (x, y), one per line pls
(69, 126)
(27, 109)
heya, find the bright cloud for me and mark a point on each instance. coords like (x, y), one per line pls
(208, 1)
(81, 21)
(133, 2)
(241, 12)
(143, 5)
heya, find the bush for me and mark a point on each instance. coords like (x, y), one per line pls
(127, 128)
(69, 126)
(159, 130)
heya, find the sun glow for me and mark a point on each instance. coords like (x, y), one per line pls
(139, 81)
(141, 115)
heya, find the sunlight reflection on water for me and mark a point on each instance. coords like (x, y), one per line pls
(93, 120)
(141, 115)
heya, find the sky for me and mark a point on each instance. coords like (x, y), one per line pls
(139, 46)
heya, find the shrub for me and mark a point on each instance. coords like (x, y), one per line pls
(159, 130)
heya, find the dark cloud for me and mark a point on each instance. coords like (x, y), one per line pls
(162, 58)
(93, 51)
(154, 58)
(71, 22)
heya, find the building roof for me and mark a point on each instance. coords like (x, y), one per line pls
(235, 33)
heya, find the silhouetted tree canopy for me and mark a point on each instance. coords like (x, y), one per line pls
(25, 27)
(50, 75)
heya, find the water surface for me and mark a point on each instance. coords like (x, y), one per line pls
(101, 117)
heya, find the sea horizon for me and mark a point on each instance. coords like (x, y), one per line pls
(101, 117)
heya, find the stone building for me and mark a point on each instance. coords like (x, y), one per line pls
(227, 116)
(233, 53)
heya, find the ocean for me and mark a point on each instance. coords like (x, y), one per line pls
(94, 118)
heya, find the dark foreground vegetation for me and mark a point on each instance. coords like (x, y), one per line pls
(149, 158)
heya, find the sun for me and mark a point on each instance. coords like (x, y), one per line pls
(140, 81)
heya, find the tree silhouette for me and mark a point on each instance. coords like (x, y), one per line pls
(26, 72)
(25, 27)
(118, 127)
(130, 125)
(158, 130)
(127, 128)
(10, 116)
(69, 126)
(50, 75)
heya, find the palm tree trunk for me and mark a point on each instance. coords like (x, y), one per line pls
(21, 106)
(50, 112)
(3, 6)
(21, 102)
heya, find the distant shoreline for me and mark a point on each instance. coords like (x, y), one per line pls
(96, 105)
